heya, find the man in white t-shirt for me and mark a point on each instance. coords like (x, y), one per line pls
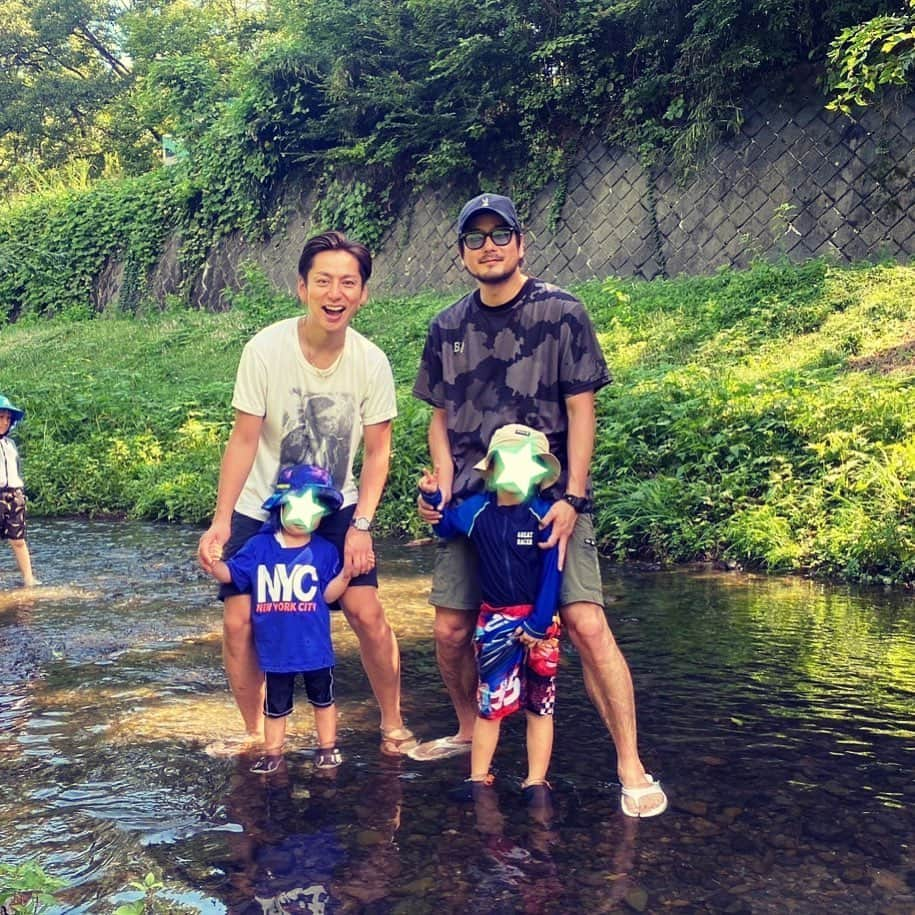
(310, 390)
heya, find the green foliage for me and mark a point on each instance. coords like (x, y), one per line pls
(126, 417)
(154, 899)
(871, 56)
(257, 302)
(369, 101)
(25, 889)
(765, 416)
(739, 425)
(53, 246)
(350, 207)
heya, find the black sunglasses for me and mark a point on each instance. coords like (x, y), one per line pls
(476, 239)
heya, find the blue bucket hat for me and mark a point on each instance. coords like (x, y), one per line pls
(298, 478)
(15, 413)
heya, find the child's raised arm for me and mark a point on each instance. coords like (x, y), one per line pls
(428, 485)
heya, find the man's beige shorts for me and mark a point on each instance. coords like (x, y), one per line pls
(455, 583)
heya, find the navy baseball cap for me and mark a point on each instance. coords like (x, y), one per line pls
(297, 479)
(492, 203)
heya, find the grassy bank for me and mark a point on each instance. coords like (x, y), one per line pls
(765, 416)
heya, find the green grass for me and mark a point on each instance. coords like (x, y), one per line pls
(764, 415)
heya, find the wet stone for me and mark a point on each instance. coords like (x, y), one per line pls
(419, 887)
(854, 874)
(637, 899)
(888, 881)
(730, 814)
(696, 808)
(590, 878)
(743, 845)
(823, 829)
(706, 828)
(367, 837)
(728, 904)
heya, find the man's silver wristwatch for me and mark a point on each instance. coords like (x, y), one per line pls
(361, 524)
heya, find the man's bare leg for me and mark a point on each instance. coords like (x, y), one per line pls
(246, 680)
(456, 662)
(379, 650)
(609, 685)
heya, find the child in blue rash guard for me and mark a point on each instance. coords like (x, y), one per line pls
(12, 492)
(292, 576)
(516, 638)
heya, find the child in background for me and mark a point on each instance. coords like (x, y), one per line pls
(12, 493)
(292, 576)
(516, 638)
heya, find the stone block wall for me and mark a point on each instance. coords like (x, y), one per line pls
(796, 181)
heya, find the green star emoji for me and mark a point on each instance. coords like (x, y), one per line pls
(516, 469)
(303, 511)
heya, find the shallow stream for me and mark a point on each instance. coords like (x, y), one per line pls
(779, 714)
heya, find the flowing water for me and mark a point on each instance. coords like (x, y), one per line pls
(779, 714)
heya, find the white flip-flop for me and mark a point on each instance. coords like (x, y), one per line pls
(636, 794)
(442, 748)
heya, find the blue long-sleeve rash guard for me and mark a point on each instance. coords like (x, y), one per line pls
(513, 567)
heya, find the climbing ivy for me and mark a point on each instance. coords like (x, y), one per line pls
(371, 101)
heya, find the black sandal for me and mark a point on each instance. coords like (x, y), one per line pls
(328, 758)
(267, 765)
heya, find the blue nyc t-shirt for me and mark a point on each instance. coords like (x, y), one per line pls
(290, 617)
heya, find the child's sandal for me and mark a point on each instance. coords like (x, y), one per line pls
(267, 765)
(328, 758)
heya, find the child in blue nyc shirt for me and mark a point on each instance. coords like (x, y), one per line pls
(292, 576)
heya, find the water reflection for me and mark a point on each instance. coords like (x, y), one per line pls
(779, 713)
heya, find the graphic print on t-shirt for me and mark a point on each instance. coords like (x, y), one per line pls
(285, 590)
(319, 433)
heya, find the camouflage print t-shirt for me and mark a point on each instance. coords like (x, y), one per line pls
(515, 363)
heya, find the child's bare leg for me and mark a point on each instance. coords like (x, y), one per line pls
(326, 726)
(539, 747)
(485, 741)
(274, 736)
(24, 561)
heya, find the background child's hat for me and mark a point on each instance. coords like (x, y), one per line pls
(296, 479)
(515, 434)
(15, 413)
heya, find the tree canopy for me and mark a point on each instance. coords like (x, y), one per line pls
(370, 100)
(419, 90)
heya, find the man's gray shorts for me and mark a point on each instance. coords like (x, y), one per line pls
(455, 583)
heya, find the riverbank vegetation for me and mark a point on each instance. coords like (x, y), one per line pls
(369, 102)
(764, 416)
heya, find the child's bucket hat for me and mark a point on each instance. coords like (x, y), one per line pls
(15, 413)
(296, 479)
(516, 434)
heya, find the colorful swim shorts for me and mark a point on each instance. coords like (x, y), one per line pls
(512, 676)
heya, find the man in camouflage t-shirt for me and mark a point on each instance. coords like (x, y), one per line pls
(519, 350)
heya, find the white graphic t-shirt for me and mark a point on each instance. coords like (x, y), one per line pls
(311, 415)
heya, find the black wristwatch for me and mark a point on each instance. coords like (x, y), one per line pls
(361, 524)
(581, 504)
